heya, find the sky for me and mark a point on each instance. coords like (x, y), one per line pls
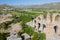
(27, 2)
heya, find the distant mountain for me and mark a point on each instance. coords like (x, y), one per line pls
(8, 7)
(55, 6)
(5, 6)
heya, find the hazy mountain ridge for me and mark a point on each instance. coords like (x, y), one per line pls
(43, 6)
(46, 6)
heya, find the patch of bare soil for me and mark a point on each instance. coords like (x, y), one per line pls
(16, 27)
(4, 18)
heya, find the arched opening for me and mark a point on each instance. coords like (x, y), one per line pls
(57, 17)
(34, 26)
(39, 18)
(44, 26)
(34, 21)
(55, 29)
(39, 25)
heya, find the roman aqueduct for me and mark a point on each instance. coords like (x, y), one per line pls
(49, 25)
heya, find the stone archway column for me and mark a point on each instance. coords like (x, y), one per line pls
(53, 22)
(58, 28)
(49, 29)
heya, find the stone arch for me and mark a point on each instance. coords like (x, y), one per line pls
(34, 21)
(44, 26)
(39, 18)
(39, 25)
(55, 28)
(54, 16)
(34, 26)
(57, 17)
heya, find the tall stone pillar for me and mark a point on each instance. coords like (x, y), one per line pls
(53, 18)
(58, 27)
(49, 28)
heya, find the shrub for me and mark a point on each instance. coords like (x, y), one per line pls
(3, 36)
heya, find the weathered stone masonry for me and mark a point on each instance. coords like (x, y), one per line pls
(48, 25)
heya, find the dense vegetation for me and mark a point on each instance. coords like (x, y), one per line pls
(5, 25)
(3, 36)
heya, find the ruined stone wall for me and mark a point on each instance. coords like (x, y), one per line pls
(49, 30)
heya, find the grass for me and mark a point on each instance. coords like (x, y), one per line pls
(3, 36)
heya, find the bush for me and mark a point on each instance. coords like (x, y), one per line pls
(27, 29)
(3, 36)
(5, 25)
(39, 36)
